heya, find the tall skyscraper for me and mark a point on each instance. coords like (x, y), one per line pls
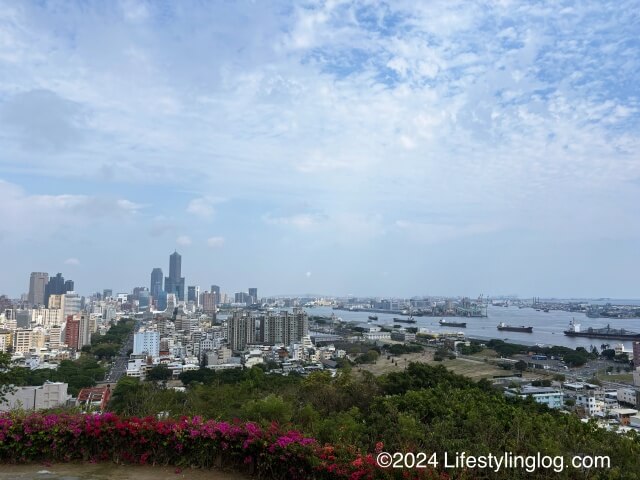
(37, 286)
(253, 293)
(156, 282)
(106, 293)
(143, 299)
(636, 354)
(215, 289)
(68, 286)
(55, 286)
(174, 283)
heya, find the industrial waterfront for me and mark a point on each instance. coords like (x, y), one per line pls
(548, 327)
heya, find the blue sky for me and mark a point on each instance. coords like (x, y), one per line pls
(400, 148)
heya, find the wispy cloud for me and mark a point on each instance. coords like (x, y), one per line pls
(215, 242)
(390, 121)
(183, 240)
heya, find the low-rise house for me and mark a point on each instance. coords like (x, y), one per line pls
(403, 336)
(94, 398)
(590, 404)
(628, 396)
(549, 396)
(372, 336)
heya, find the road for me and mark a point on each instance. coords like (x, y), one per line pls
(119, 365)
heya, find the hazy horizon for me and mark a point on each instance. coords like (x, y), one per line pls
(364, 147)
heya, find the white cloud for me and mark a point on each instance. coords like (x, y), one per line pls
(215, 242)
(300, 221)
(201, 207)
(72, 261)
(183, 240)
(24, 215)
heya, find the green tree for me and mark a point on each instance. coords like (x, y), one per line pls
(159, 373)
(5, 376)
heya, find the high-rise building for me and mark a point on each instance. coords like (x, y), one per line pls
(636, 354)
(55, 302)
(253, 293)
(37, 286)
(70, 304)
(143, 299)
(55, 286)
(242, 297)
(85, 329)
(156, 282)
(216, 290)
(208, 302)
(146, 342)
(193, 294)
(72, 332)
(161, 301)
(241, 330)
(284, 327)
(174, 283)
(107, 293)
(68, 286)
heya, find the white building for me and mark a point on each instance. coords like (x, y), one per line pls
(49, 395)
(70, 304)
(22, 341)
(628, 395)
(591, 405)
(146, 342)
(545, 395)
(377, 336)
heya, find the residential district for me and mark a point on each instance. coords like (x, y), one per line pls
(180, 328)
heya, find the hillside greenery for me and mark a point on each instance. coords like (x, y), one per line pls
(423, 409)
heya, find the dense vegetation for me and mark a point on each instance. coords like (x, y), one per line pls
(81, 373)
(424, 408)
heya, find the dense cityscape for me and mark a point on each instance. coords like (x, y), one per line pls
(178, 328)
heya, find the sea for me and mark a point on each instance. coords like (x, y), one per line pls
(548, 327)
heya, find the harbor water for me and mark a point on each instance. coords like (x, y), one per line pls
(548, 327)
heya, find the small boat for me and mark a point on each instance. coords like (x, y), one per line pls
(373, 317)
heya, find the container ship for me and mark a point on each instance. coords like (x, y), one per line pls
(508, 328)
(607, 332)
(447, 323)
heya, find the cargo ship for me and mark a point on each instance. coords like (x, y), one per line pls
(508, 328)
(607, 332)
(447, 323)
(402, 320)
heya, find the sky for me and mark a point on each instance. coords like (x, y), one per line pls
(369, 148)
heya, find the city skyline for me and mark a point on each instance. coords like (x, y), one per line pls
(379, 149)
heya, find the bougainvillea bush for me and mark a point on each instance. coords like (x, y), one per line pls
(188, 442)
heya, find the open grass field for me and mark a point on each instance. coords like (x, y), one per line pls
(469, 368)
